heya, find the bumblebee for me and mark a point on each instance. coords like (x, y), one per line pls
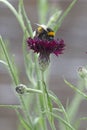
(44, 32)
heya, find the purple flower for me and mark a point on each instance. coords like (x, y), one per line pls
(45, 47)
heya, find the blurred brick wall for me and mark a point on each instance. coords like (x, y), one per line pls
(73, 31)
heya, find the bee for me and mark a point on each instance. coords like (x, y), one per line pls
(44, 32)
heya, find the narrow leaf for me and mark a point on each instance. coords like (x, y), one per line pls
(23, 122)
(42, 10)
(57, 26)
(76, 89)
(53, 19)
(10, 65)
(11, 106)
(3, 62)
(62, 120)
(25, 18)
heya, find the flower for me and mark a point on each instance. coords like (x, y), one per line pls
(45, 47)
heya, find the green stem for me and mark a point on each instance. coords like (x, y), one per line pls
(40, 97)
(29, 90)
(28, 61)
(57, 101)
(28, 23)
(16, 81)
(14, 77)
(20, 20)
(24, 124)
(57, 26)
(76, 89)
(42, 10)
(23, 89)
(76, 100)
(47, 103)
(63, 121)
(11, 106)
(26, 112)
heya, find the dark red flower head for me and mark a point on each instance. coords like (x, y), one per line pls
(45, 47)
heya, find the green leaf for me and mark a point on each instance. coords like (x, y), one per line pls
(62, 120)
(20, 127)
(15, 69)
(76, 89)
(60, 106)
(58, 102)
(42, 10)
(37, 123)
(76, 101)
(25, 18)
(53, 19)
(23, 122)
(29, 63)
(20, 7)
(49, 103)
(59, 22)
(10, 65)
(13, 10)
(83, 118)
(57, 110)
(11, 106)
(3, 62)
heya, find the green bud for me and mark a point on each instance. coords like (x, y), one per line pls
(43, 62)
(82, 72)
(21, 88)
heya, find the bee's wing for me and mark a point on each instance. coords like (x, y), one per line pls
(42, 25)
(34, 33)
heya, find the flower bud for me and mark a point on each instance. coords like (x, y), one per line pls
(43, 62)
(82, 72)
(21, 88)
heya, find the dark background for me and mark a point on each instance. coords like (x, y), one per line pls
(74, 33)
